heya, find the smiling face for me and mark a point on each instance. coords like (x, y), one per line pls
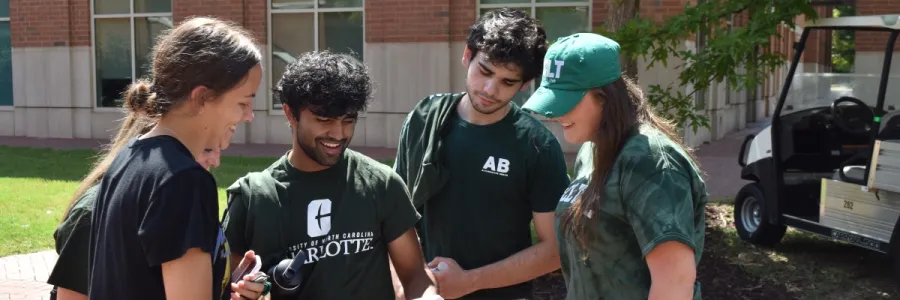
(582, 123)
(233, 107)
(209, 159)
(490, 87)
(323, 139)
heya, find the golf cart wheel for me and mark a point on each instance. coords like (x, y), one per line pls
(749, 217)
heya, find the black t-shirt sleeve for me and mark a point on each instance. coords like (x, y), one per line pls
(235, 223)
(401, 215)
(549, 178)
(72, 239)
(181, 215)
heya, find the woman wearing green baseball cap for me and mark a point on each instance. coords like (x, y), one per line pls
(631, 224)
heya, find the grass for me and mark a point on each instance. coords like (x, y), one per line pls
(36, 185)
(806, 265)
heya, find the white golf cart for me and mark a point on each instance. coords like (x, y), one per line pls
(829, 163)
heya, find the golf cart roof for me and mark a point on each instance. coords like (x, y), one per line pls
(877, 21)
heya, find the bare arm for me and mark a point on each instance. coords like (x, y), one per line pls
(398, 286)
(530, 263)
(66, 294)
(180, 276)
(408, 262)
(672, 271)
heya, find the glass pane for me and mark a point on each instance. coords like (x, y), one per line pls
(563, 21)
(504, 1)
(4, 8)
(152, 6)
(113, 38)
(6, 82)
(817, 83)
(292, 4)
(146, 30)
(342, 32)
(111, 7)
(340, 3)
(292, 34)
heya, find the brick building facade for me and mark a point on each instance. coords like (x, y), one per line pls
(63, 63)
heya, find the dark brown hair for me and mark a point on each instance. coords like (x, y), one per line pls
(201, 51)
(624, 109)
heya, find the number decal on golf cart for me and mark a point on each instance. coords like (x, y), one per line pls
(848, 204)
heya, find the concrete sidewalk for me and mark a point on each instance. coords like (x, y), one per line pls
(24, 276)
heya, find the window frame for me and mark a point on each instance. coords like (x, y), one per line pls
(13, 105)
(130, 16)
(533, 6)
(315, 10)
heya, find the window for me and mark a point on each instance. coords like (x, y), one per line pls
(124, 33)
(559, 17)
(297, 26)
(6, 81)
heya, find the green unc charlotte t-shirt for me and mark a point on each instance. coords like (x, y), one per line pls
(342, 217)
(654, 194)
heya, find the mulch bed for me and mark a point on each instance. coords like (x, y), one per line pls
(719, 278)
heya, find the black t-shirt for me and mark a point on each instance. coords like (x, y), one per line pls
(154, 203)
(72, 238)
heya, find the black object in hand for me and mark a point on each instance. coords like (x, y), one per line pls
(287, 277)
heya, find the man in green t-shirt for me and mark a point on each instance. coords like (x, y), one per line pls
(631, 224)
(480, 170)
(347, 213)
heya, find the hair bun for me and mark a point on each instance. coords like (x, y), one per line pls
(139, 97)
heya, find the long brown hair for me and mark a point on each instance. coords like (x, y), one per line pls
(200, 51)
(131, 127)
(624, 109)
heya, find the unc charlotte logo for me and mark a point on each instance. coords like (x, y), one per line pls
(500, 166)
(548, 64)
(318, 217)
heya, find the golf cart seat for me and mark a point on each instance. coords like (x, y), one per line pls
(889, 130)
(856, 173)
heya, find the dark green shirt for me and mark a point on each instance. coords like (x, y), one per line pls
(343, 217)
(497, 175)
(654, 194)
(72, 239)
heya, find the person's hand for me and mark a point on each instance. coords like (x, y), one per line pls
(252, 285)
(452, 280)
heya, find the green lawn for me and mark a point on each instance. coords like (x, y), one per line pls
(36, 185)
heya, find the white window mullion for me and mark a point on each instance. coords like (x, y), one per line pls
(133, 43)
(316, 27)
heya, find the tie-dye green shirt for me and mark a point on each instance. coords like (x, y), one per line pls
(654, 194)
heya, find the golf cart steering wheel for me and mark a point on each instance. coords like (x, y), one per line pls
(854, 125)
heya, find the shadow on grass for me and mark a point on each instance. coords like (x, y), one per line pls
(802, 266)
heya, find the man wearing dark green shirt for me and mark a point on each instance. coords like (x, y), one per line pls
(349, 214)
(480, 170)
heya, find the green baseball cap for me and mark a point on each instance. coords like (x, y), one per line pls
(573, 65)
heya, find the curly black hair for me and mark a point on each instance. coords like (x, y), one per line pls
(328, 84)
(508, 35)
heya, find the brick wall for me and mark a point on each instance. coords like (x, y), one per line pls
(875, 41)
(392, 21)
(250, 13)
(48, 23)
